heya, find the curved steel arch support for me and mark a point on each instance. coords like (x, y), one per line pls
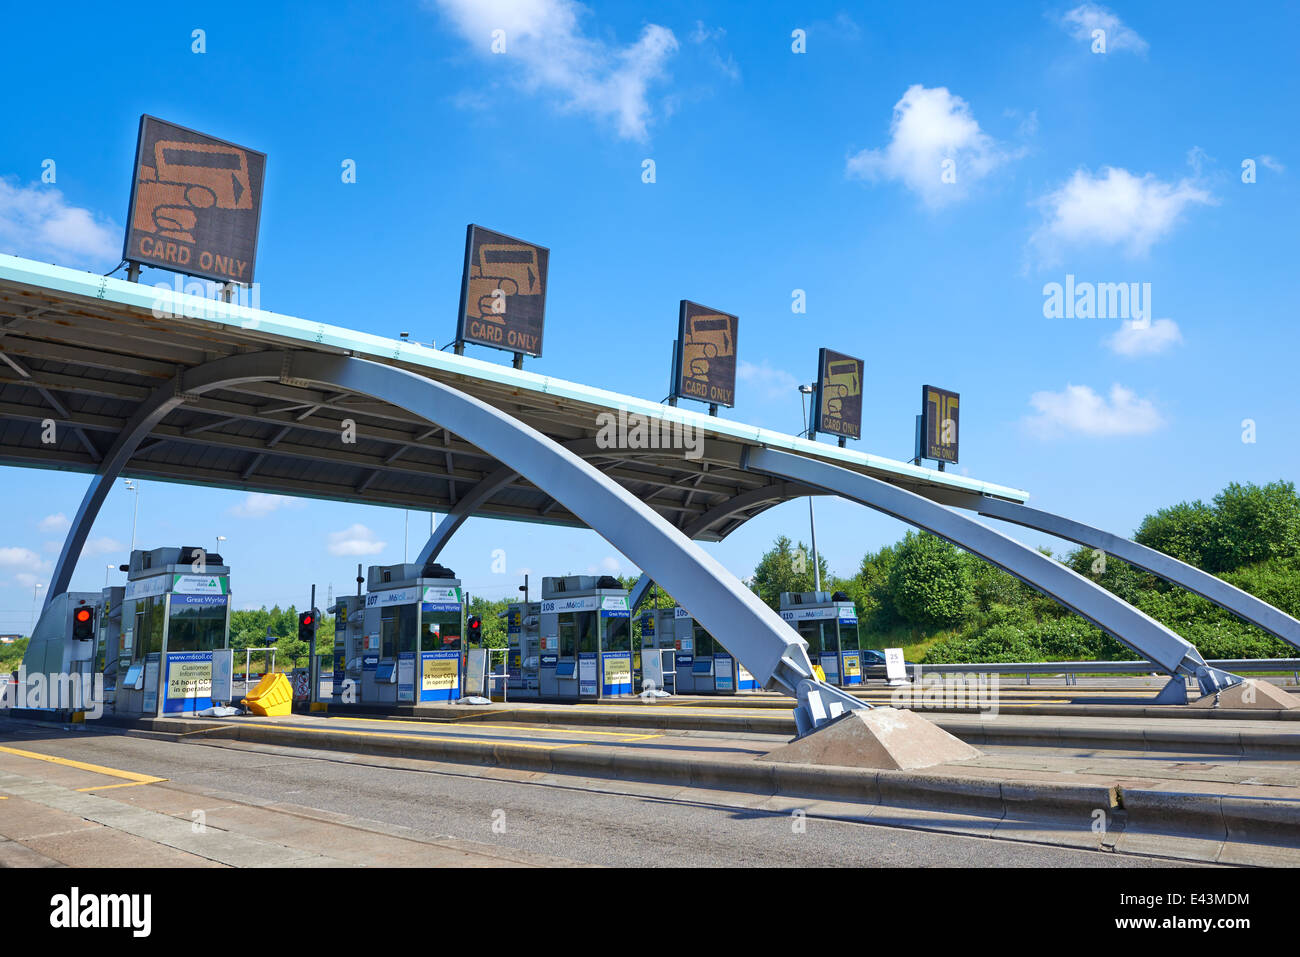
(152, 411)
(488, 486)
(781, 492)
(1143, 634)
(469, 503)
(1259, 613)
(770, 649)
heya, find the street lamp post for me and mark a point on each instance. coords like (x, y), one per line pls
(804, 392)
(134, 486)
(107, 569)
(35, 591)
(220, 539)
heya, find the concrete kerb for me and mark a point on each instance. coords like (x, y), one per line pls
(1218, 740)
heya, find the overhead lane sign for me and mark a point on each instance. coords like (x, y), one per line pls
(839, 394)
(196, 203)
(939, 415)
(705, 366)
(503, 292)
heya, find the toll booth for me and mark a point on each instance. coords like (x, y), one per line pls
(412, 631)
(829, 623)
(523, 651)
(174, 620)
(108, 651)
(659, 634)
(704, 666)
(349, 614)
(586, 638)
(59, 663)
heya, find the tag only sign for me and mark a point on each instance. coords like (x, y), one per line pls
(939, 413)
(196, 203)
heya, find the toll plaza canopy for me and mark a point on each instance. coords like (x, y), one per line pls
(88, 351)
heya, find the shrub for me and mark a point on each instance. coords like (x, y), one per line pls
(928, 581)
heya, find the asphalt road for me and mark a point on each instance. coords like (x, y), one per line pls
(562, 818)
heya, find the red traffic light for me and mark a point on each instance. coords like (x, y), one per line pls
(82, 614)
(306, 619)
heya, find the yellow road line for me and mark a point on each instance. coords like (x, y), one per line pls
(408, 737)
(128, 784)
(477, 724)
(83, 766)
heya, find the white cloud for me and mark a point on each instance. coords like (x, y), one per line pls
(103, 546)
(550, 52)
(56, 523)
(354, 540)
(1078, 409)
(929, 127)
(16, 557)
(1271, 162)
(1114, 208)
(28, 580)
(708, 38)
(609, 565)
(1144, 338)
(770, 382)
(1086, 17)
(260, 504)
(37, 222)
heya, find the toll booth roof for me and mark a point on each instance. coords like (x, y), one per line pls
(88, 350)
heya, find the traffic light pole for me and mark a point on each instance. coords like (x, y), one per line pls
(312, 665)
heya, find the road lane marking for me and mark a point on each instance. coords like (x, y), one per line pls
(479, 724)
(409, 737)
(130, 776)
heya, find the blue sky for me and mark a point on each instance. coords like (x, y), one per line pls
(922, 171)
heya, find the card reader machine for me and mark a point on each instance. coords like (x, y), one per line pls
(411, 635)
(829, 623)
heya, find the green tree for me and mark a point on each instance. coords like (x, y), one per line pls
(489, 611)
(1253, 524)
(779, 571)
(11, 656)
(1184, 531)
(1113, 574)
(929, 581)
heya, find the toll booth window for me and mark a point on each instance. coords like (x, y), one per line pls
(440, 631)
(588, 624)
(148, 626)
(196, 626)
(568, 633)
(397, 629)
(848, 636)
(618, 634)
(811, 632)
(705, 646)
(830, 636)
(104, 654)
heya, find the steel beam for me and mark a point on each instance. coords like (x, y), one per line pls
(1141, 633)
(769, 648)
(1259, 613)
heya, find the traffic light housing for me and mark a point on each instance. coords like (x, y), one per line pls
(306, 626)
(83, 623)
(475, 629)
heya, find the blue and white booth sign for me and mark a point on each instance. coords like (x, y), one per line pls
(617, 669)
